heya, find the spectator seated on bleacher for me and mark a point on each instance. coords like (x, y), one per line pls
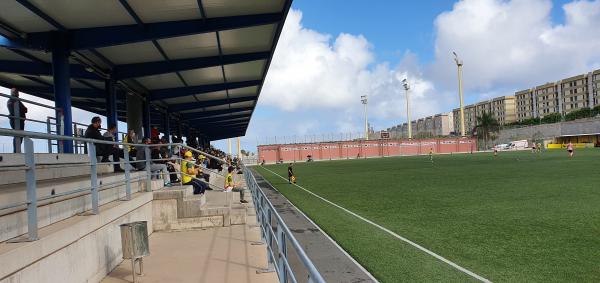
(103, 150)
(155, 168)
(189, 170)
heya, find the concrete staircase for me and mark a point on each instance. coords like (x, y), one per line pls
(177, 208)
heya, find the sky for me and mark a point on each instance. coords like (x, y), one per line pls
(332, 52)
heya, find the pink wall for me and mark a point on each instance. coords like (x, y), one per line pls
(354, 149)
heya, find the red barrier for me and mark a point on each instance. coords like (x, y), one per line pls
(363, 149)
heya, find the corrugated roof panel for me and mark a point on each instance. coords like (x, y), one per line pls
(160, 81)
(244, 71)
(85, 13)
(132, 53)
(211, 96)
(97, 84)
(225, 8)
(203, 76)
(6, 54)
(21, 18)
(245, 40)
(16, 80)
(242, 104)
(244, 91)
(44, 56)
(218, 107)
(181, 99)
(192, 46)
(152, 11)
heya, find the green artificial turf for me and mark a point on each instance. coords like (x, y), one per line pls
(517, 217)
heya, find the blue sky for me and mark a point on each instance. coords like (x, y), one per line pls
(331, 52)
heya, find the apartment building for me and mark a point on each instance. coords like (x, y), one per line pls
(564, 96)
(443, 124)
(526, 106)
(503, 109)
(436, 125)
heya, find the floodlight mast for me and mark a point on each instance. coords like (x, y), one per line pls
(363, 99)
(407, 88)
(459, 64)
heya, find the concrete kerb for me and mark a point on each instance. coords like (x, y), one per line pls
(439, 257)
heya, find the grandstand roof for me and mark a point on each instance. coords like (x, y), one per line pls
(202, 61)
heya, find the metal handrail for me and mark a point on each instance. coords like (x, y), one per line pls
(264, 212)
(30, 165)
(29, 101)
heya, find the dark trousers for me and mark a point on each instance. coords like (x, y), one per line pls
(106, 150)
(17, 141)
(199, 186)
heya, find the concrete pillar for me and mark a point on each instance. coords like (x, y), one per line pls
(168, 127)
(111, 105)
(62, 92)
(134, 114)
(146, 118)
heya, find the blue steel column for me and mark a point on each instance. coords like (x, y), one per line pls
(146, 121)
(111, 105)
(62, 90)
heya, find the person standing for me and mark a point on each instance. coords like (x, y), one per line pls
(16, 110)
(291, 176)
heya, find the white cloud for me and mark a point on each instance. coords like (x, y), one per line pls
(515, 43)
(312, 72)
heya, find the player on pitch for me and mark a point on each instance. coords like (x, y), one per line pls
(291, 176)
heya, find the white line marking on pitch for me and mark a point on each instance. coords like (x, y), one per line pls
(439, 257)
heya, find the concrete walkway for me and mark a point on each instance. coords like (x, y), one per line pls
(223, 254)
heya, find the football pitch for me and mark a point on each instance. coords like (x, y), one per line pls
(517, 217)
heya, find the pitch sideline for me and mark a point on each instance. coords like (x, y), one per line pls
(431, 253)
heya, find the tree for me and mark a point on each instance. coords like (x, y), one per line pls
(244, 153)
(486, 126)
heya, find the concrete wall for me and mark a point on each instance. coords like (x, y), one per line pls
(362, 149)
(14, 222)
(550, 131)
(83, 249)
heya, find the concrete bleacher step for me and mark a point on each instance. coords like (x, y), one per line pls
(13, 222)
(48, 166)
(175, 209)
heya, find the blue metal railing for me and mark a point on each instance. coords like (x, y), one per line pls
(277, 239)
(29, 166)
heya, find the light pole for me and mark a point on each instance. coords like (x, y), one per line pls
(407, 88)
(363, 99)
(459, 64)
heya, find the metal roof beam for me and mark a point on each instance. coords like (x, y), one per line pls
(45, 69)
(162, 67)
(75, 92)
(204, 114)
(165, 93)
(209, 103)
(96, 37)
(219, 119)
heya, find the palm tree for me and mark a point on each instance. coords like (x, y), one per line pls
(486, 125)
